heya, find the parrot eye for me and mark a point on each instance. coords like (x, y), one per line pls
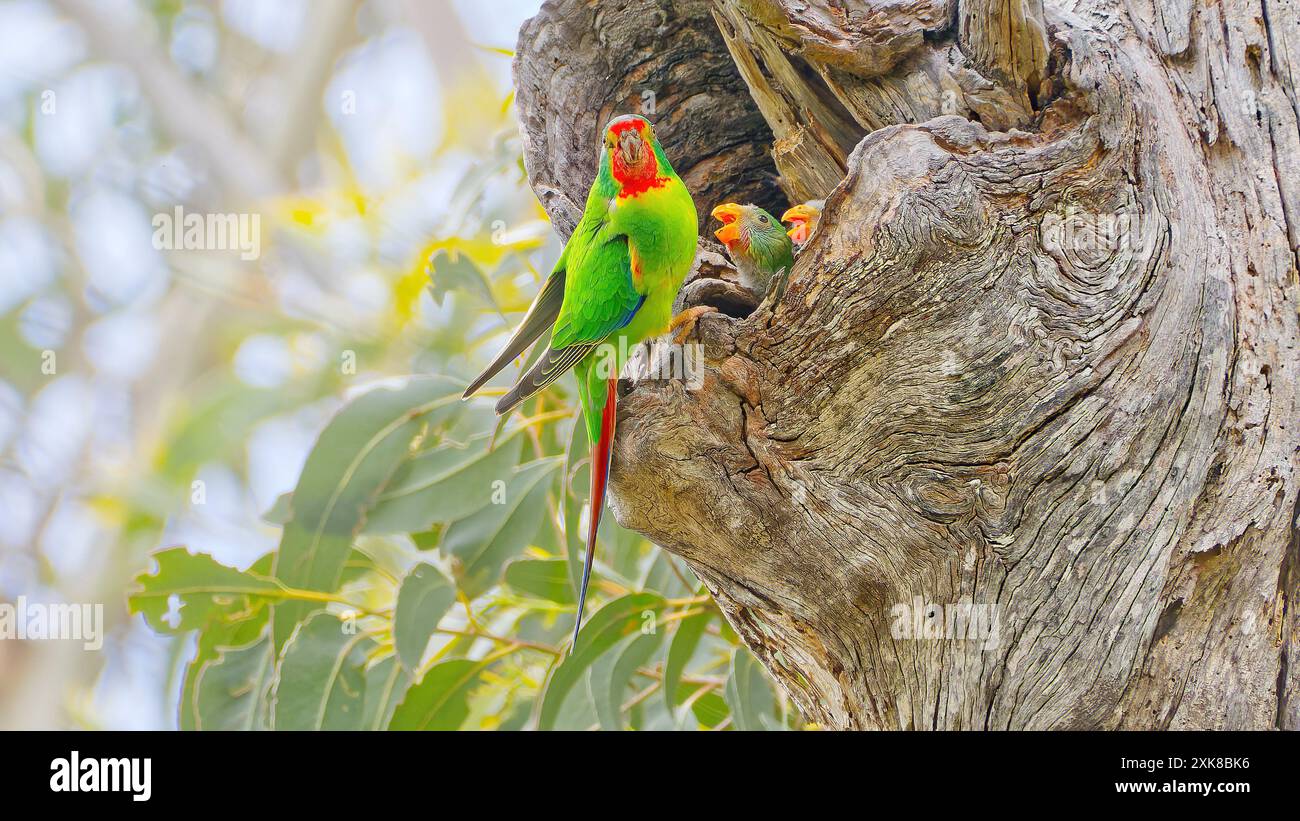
(762, 218)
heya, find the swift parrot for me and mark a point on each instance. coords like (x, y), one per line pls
(612, 287)
(756, 243)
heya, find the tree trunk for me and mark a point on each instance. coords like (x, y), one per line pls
(1040, 356)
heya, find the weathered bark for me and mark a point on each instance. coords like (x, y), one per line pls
(1041, 354)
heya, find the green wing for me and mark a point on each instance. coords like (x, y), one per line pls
(541, 315)
(599, 298)
(602, 297)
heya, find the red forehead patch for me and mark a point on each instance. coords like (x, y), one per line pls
(631, 123)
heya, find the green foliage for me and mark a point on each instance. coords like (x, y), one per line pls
(355, 616)
(320, 680)
(353, 461)
(443, 483)
(422, 601)
(441, 700)
(603, 635)
(482, 542)
(202, 589)
(749, 694)
(458, 273)
(543, 578)
(690, 631)
(230, 690)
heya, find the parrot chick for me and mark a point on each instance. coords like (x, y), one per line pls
(756, 243)
(803, 220)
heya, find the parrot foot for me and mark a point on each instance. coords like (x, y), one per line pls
(685, 321)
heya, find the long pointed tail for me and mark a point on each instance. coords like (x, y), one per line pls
(601, 453)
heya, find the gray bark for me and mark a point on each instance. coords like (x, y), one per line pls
(1040, 355)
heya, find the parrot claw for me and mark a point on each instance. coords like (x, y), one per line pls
(684, 322)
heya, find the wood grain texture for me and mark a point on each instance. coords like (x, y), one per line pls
(1043, 361)
(1007, 41)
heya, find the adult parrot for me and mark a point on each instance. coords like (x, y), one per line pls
(756, 243)
(803, 220)
(612, 287)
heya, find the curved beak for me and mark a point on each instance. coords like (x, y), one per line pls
(799, 218)
(796, 213)
(728, 214)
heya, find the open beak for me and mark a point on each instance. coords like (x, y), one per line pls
(798, 219)
(728, 214)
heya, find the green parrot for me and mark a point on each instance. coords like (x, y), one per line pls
(612, 287)
(756, 243)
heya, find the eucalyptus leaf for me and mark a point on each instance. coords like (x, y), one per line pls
(611, 624)
(230, 693)
(611, 676)
(279, 512)
(320, 681)
(351, 463)
(424, 597)
(440, 701)
(187, 589)
(386, 686)
(665, 575)
(450, 271)
(485, 541)
(686, 638)
(444, 484)
(710, 709)
(748, 693)
(220, 633)
(623, 551)
(543, 578)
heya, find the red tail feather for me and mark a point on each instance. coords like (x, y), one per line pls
(601, 452)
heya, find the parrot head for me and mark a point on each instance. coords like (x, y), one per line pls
(802, 220)
(749, 232)
(633, 154)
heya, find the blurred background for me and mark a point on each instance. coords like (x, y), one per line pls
(164, 391)
(366, 135)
